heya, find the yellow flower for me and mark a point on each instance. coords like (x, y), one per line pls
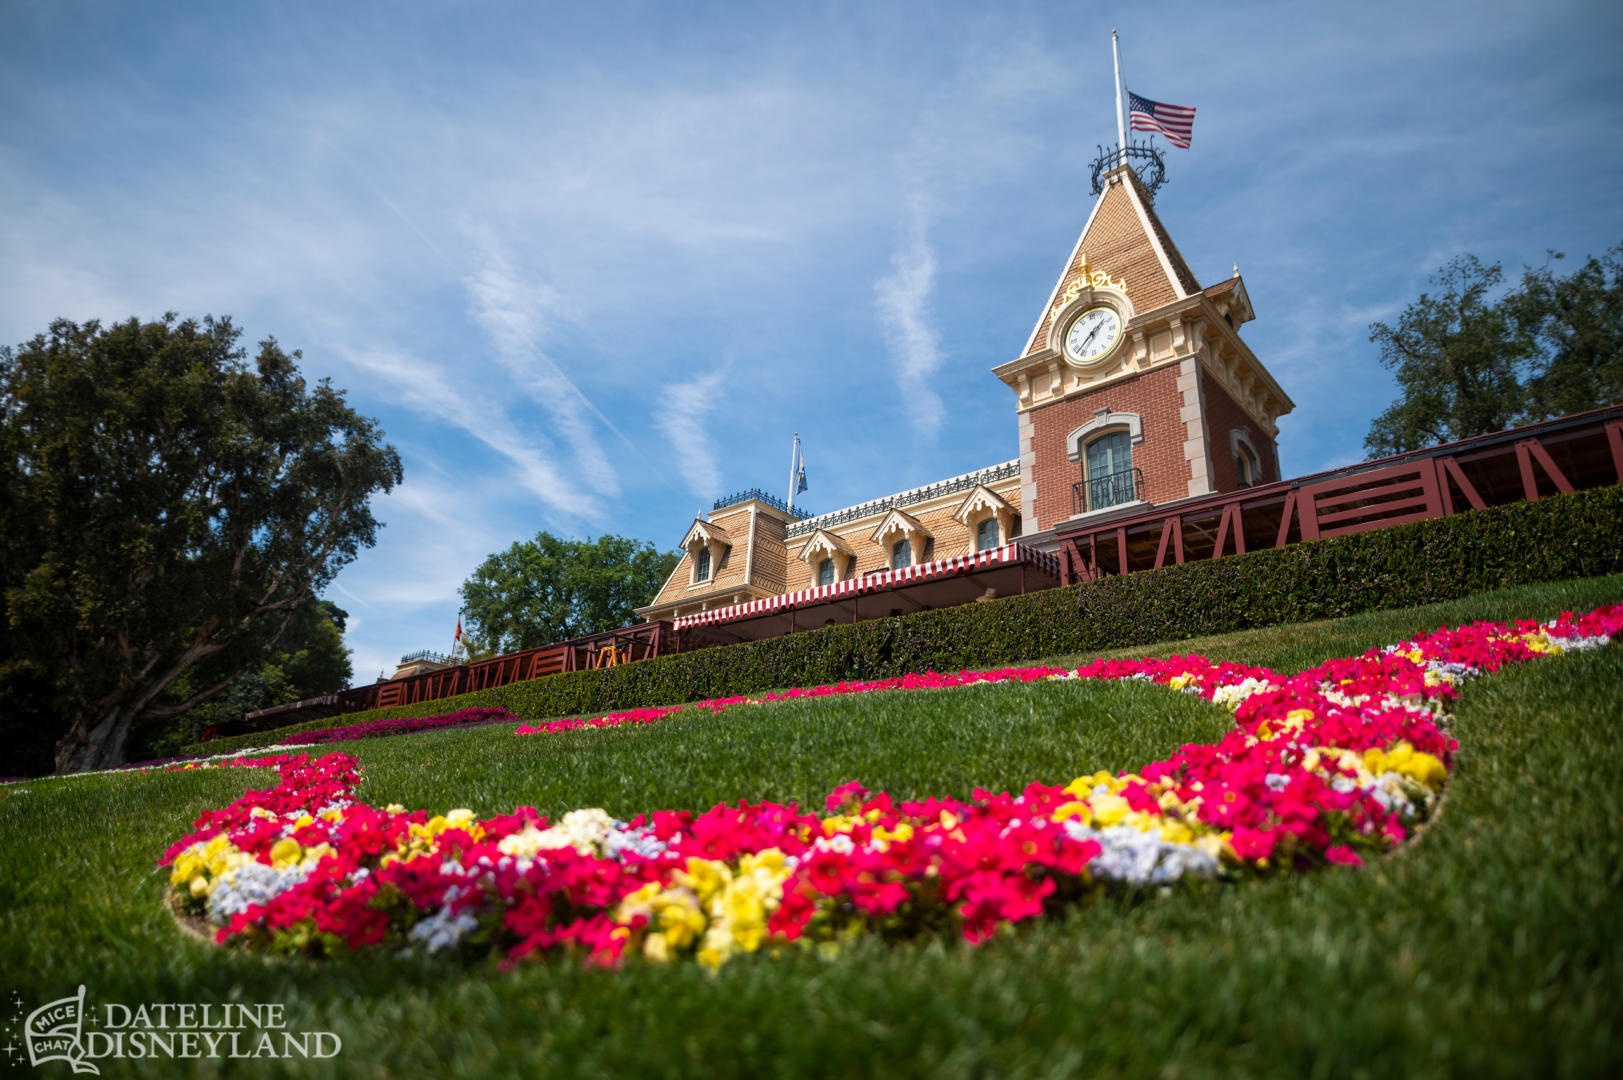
(525, 842)
(1405, 760)
(1079, 810)
(314, 855)
(1084, 785)
(718, 943)
(656, 948)
(771, 860)
(187, 864)
(284, 852)
(681, 921)
(1176, 832)
(704, 876)
(464, 819)
(1109, 809)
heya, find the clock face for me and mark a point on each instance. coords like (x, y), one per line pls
(1092, 334)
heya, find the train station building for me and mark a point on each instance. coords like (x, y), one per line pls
(1134, 390)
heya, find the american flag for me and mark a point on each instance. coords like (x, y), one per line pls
(1176, 122)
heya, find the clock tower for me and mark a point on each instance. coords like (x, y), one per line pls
(1135, 389)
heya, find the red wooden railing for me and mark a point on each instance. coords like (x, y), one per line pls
(1581, 451)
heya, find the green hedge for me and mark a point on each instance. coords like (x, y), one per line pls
(1564, 537)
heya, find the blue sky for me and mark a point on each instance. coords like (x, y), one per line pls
(591, 265)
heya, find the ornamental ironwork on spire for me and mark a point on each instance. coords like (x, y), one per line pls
(1141, 157)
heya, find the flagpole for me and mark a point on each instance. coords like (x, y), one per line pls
(1121, 122)
(794, 456)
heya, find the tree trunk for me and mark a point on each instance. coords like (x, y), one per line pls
(94, 742)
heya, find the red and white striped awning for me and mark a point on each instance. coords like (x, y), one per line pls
(1010, 555)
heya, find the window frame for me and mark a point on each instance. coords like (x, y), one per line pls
(980, 526)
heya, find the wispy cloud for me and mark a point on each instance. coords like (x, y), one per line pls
(684, 409)
(903, 301)
(512, 312)
(428, 390)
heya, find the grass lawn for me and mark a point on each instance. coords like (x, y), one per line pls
(1489, 947)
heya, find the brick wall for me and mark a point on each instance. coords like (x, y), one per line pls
(1155, 397)
(1223, 415)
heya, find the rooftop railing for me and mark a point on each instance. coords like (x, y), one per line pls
(760, 496)
(431, 656)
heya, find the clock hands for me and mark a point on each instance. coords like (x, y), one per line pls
(1083, 348)
(1100, 319)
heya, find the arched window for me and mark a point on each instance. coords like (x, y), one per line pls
(1245, 463)
(1111, 479)
(825, 572)
(701, 565)
(901, 554)
(986, 534)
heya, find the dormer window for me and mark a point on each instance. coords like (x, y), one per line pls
(825, 572)
(901, 554)
(986, 536)
(701, 565)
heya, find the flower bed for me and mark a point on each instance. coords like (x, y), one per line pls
(927, 681)
(1333, 765)
(402, 726)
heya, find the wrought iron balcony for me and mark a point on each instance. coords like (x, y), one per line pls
(1100, 492)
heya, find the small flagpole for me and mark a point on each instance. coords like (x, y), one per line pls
(794, 459)
(1121, 117)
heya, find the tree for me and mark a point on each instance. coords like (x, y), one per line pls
(1456, 357)
(310, 660)
(1577, 325)
(1469, 363)
(165, 510)
(547, 590)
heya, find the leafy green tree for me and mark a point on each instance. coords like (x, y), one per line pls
(549, 589)
(165, 510)
(1457, 356)
(1577, 325)
(1472, 359)
(311, 660)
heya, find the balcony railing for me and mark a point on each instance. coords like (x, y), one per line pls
(1104, 491)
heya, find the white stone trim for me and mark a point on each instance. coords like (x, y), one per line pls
(705, 532)
(1117, 508)
(1239, 437)
(1103, 420)
(981, 504)
(1091, 297)
(1155, 241)
(912, 530)
(1195, 449)
(1065, 271)
(1028, 468)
